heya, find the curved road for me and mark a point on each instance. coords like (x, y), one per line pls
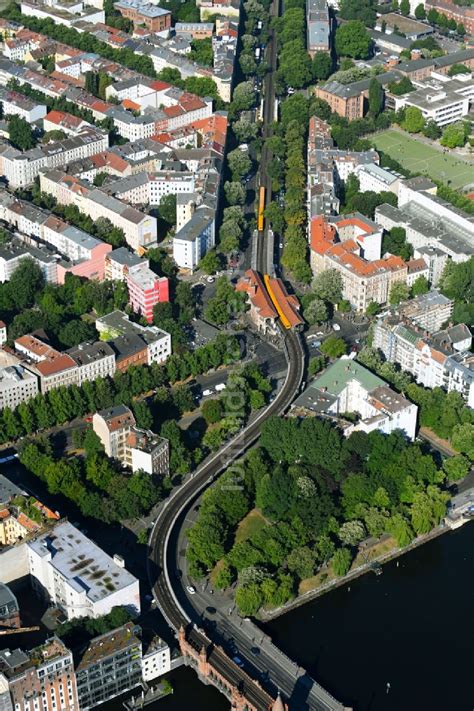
(168, 589)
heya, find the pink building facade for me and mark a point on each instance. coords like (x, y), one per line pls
(145, 289)
(93, 268)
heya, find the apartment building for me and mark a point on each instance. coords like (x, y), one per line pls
(109, 666)
(350, 100)
(63, 121)
(64, 566)
(112, 426)
(194, 30)
(104, 668)
(182, 110)
(141, 450)
(459, 13)
(318, 26)
(132, 343)
(348, 387)
(225, 8)
(343, 100)
(140, 229)
(147, 452)
(149, 188)
(145, 289)
(63, 13)
(21, 168)
(15, 251)
(42, 236)
(153, 17)
(428, 311)
(17, 384)
(372, 177)
(119, 261)
(17, 522)
(93, 360)
(194, 239)
(441, 359)
(75, 244)
(328, 167)
(351, 244)
(15, 104)
(52, 368)
(156, 660)
(42, 679)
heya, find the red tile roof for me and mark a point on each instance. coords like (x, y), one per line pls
(322, 235)
(129, 104)
(252, 285)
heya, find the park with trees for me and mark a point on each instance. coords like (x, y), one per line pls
(304, 500)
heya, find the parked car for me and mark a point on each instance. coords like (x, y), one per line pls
(336, 327)
(191, 589)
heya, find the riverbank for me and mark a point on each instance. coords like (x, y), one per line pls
(353, 574)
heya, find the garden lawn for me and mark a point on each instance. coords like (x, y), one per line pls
(250, 525)
(418, 157)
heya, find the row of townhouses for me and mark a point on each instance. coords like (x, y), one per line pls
(35, 366)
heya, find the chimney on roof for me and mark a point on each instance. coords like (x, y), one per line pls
(118, 560)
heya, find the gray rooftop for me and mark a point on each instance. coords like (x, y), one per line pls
(382, 174)
(196, 225)
(118, 322)
(85, 566)
(125, 257)
(318, 33)
(381, 37)
(346, 91)
(148, 10)
(8, 490)
(7, 599)
(87, 353)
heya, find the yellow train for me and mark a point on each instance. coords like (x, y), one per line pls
(261, 208)
(283, 318)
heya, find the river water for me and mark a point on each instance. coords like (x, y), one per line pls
(411, 627)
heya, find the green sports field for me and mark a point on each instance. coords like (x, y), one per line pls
(418, 157)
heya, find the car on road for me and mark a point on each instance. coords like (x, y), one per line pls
(238, 661)
(211, 610)
(191, 589)
(255, 650)
(210, 280)
(336, 327)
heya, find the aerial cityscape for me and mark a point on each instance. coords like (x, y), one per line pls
(236, 355)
